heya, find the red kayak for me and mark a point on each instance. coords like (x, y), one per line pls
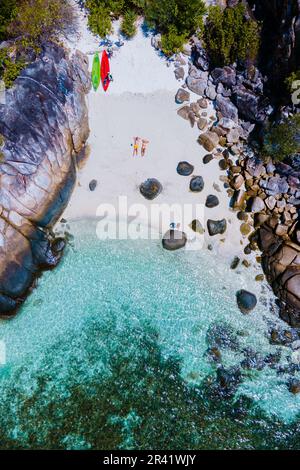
(105, 69)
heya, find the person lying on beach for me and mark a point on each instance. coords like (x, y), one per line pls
(144, 147)
(136, 142)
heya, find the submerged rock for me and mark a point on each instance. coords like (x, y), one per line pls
(294, 386)
(151, 188)
(228, 381)
(174, 240)
(44, 124)
(223, 336)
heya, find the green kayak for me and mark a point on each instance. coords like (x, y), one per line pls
(96, 72)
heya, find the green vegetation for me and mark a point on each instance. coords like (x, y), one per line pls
(230, 36)
(9, 68)
(40, 20)
(99, 19)
(172, 42)
(283, 140)
(128, 27)
(8, 10)
(295, 76)
(176, 20)
(26, 24)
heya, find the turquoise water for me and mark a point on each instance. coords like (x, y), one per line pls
(111, 352)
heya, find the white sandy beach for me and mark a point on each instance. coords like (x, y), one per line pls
(140, 101)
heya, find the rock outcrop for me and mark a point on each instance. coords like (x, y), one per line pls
(280, 37)
(44, 127)
(281, 263)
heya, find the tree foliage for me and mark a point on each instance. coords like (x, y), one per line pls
(8, 10)
(38, 20)
(177, 20)
(128, 27)
(9, 68)
(26, 24)
(283, 140)
(230, 36)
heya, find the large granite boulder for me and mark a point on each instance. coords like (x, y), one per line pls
(252, 106)
(227, 108)
(225, 75)
(44, 125)
(281, 263)
(197, 81)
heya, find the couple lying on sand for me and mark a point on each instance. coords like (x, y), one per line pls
(136, 146)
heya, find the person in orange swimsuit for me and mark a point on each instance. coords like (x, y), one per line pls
(144, 147)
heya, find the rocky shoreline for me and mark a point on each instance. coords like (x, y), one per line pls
(265, 194)
(43, 128)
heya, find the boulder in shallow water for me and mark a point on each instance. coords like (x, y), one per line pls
(174, 240)
(228, 381)
(216, 227)
(185, 169)
(246, 301)
(151, 188)
(294, 386)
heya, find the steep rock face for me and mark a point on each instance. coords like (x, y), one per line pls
(281, 263)
(44, 126)
(280, 36)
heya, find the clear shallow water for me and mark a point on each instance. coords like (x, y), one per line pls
(111, 352)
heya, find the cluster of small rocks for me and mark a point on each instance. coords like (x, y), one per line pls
(284, 360)
(266, 196)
